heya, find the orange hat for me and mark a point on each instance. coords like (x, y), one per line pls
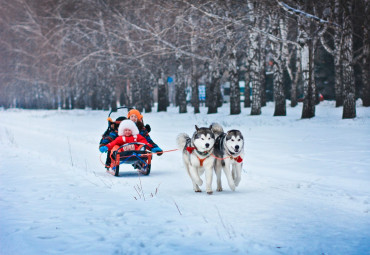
(135, 112)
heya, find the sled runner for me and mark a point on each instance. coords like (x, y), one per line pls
(139, 159)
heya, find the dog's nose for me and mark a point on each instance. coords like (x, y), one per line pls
(207, 145)
(236, 147)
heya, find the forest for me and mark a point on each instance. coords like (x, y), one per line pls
(100, 54)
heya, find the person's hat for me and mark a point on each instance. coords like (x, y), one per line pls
(119, 119)
(135, 112)
(128, 124)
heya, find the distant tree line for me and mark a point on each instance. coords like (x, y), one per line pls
(97, 53)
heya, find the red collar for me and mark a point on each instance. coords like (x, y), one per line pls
(190, 149)
(238, 159)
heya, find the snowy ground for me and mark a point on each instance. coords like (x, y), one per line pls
(305, 187)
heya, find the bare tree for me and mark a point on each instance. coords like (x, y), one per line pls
(366, 56)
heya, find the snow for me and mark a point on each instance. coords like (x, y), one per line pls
(305, 187)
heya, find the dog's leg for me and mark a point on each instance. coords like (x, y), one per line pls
(218, 174)
(195, 186)
(237, 173)
(209, 175)
(228, 174)
(195, 176)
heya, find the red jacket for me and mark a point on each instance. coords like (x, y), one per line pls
(121, 140)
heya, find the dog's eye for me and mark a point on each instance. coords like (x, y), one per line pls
(239, 140)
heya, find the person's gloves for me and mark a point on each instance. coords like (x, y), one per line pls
(148, 128)
(157, 150)
(103, 149)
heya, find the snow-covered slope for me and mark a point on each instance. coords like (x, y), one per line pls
(305, 187)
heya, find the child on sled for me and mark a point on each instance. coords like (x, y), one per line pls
(128, 133)
(137, 118)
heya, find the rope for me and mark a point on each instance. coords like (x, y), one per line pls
(220, 158)
(102, 161)
(230, 157)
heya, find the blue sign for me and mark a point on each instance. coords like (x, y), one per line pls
(169, 79)
(202, 92)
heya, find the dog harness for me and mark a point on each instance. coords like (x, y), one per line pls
(191, 149)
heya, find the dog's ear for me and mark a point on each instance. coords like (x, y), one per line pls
(196, 128)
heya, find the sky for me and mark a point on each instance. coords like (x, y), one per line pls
(305, 186)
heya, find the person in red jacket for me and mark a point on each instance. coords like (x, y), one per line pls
(127, 133)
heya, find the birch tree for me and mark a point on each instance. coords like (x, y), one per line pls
(366, 56)
(349, 103)
(280, 53)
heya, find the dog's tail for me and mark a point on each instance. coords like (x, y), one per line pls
(217, 129)
(182, 140)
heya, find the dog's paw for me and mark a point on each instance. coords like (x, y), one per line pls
(232, 186)
(196, 188)
(210, 192)
(219, 189)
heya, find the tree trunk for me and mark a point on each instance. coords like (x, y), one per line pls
(280, 56)
(195, 95)
(255, 75)
(147, 95)
(180, 88)
(247, 94)
(338, 85)
(162, 94)
(279, 97)
(349, 104)
(234, 87)
(366, 57)
(211, 92)
(293, 91)
(308, 110)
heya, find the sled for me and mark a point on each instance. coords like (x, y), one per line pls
(139, 159)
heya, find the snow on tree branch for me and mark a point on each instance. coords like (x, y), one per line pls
(292, 10)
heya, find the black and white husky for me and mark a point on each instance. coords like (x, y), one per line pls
(229, 150)
(197, 153)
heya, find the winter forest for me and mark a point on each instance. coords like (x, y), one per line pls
(99, 54)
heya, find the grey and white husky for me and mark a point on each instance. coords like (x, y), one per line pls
(197, 154)
(229, 150)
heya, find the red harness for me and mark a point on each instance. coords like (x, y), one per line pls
(191, 149)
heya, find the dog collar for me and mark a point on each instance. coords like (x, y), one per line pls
(237, 159)
(191, 149)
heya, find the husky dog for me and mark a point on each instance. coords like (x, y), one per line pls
(197, 155)
(229, 149)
